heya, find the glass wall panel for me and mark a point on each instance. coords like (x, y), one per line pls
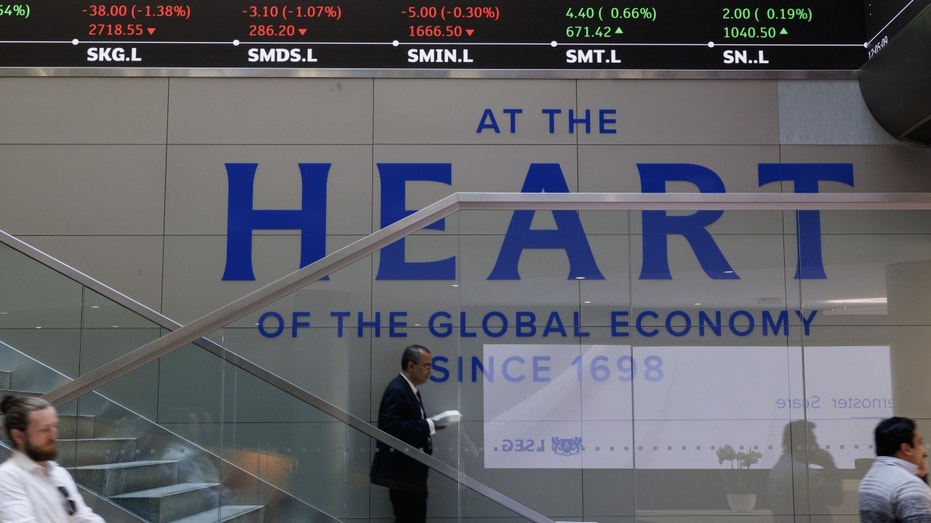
(680, 366)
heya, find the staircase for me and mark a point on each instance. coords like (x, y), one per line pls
(159, 480)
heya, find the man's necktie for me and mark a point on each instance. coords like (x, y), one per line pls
(423, 414)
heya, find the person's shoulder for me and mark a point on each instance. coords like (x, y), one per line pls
(15, 458)
(397, 382)
(917, 487)
(391, 388)
(8, 467)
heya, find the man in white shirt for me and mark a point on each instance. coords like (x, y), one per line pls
(891, 490)
(33, 488)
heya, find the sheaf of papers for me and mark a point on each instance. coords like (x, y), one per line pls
(447, 416)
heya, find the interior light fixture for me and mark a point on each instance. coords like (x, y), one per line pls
(859, 301)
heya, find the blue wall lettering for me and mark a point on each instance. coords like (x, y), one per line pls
(776, 325)
(806, 177)
(524, 324)
(604, 121)
(489, 122)
(706, 321)
(278, 327)
(620, 324)
(751, 324)
(529, 324)
(479, 368)
(671, 324)
(242, 218)
(658, 225)
(581, 119)
(394, 178)
(502, 328)
(375, 324)
(806, 320)
(568, 235)
(298, 323)
(440, 372)
(554, 325)
(647, 333)
(507, 373)
(396, 323)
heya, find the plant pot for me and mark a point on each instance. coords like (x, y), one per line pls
(741, 502)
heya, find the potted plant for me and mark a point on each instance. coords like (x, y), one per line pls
(738, 482)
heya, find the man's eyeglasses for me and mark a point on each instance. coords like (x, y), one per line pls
(70, 507)
(424, 365)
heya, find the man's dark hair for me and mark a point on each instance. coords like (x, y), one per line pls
(16, 411)
(412, 353)
(891, 433)
(803, 430)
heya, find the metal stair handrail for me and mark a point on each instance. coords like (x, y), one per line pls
(447, 206)
(194, 445)
(474, 201)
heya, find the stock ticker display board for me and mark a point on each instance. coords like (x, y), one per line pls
(442, 34)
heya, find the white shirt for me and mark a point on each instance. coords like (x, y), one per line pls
(424, 414)
(29, 493)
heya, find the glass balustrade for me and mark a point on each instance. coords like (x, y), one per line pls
(188, 434)
(132, 469)
(610, 375)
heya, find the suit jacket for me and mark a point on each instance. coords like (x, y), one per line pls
(400, 415)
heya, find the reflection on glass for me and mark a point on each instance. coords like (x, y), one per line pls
(803, 465)
(616, 408)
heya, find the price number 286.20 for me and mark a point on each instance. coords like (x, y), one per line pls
(625, 368)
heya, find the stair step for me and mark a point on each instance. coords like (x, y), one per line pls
(110, 466)
(227, 513)
(112, 479)
(171, 502)
(91, 451)
(167, 490)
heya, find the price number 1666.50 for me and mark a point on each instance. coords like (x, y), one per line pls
(624, 368)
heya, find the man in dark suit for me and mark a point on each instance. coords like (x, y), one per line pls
(402, 415)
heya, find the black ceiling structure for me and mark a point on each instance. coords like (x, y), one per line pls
(896, 79)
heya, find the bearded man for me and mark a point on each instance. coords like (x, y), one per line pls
(33, 488)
